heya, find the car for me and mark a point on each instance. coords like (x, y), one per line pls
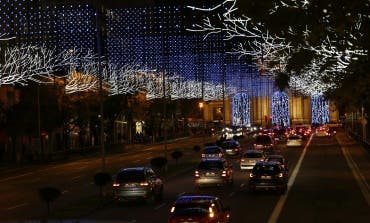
(303, 130)
(268, 175)
(278, 158)
(294, 141)
(200, 209)
(231, 147)
(137, 183)
(212, 152)
(250, 158)
(264, 142)
(322, 131)
(213, 172)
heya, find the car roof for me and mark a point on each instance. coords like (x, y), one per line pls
(216, 159)
(276, 156)
(253, 151)
(141, 168)
(196, 199)
(267, 163)
(212, 147)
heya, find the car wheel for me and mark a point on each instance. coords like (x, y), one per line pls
(231, 182)
(159, 196)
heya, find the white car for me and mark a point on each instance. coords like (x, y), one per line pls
(250, 158)
(294, 141)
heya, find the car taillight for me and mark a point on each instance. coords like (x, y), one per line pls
(242, 160)
(280, 175)
(173, 209)
(144, 184)
(196, 173)
(203, 155)
(223, 173)
(116, 184)
(220, 155)
(251, 175)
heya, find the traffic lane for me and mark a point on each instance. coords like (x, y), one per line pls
(237, 197)
(325, 189)
(358, 154)
(258, 206)
(174, 187)
(74, 179)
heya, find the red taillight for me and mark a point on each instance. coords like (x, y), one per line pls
(220, 155)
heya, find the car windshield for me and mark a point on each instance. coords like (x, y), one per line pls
(130, 176)
(210, 165)
(265, 169)
(252, 155)
(191, 209)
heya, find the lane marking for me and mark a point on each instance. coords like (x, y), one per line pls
(17, 206)
(360, 179)
(15, 177)
(280, 204)
(75, 178)
(160, 206)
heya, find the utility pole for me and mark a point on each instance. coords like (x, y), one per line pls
(99, 9)
(164, 113)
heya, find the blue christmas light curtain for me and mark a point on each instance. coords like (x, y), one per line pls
(319, 109)
(241, 110)
(280, 109)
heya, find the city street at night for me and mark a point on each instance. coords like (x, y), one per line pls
(184, 111)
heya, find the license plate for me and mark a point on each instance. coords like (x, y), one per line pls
(265, 177)
(210, 174)
(130, 185)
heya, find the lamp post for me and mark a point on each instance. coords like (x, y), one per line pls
(201, 109)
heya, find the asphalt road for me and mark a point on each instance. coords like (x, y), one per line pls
(322, 188)
(18, 186)
(329, 182)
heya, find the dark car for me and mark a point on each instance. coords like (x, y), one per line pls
(278, 158)
(266, 176)
(200, 209)
(212, 152)
(231, 147)
(137, 183)
(213, 172)
(264, 142)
